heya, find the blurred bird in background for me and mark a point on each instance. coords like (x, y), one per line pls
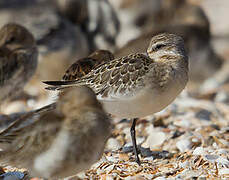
(64, 30)
(83, 66)
(18, 59)
(97, 18)
(58, 40)
(59, 140)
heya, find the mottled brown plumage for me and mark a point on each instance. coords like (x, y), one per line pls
(18, 59)
(55, 142)
(203, 60)
(139, 84)
(83, 66)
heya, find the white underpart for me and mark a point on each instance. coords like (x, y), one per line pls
(46, 163)
(146, 102)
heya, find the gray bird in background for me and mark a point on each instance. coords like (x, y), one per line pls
(59, 41)
(60, 140)
(18, 59)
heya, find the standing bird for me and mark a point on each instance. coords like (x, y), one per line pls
(203, 60)
(83, 66)
(18, 59)
(60, 141)
(58, 40)
(138, 85)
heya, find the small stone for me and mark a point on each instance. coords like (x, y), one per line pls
(209, 85)
(12, 175)
(127, 148)
(113, 144)
(211, 158)
(111, 159)
(150, 159)
(145, 152)
(149, 129)
(199, 151)
(177, 134)
(223, 161)
(148, 176)
(224, 171)
(204, 115)
(223, 151)
(185, 164)
(222, 97)
(184, 145)
(184, 122)
(160, 178)
(155, 139)
(140, 140)
(161, 154)
(124, 157)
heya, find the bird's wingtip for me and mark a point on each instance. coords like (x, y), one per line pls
(51, 82)
(58, 83)
(50, 88)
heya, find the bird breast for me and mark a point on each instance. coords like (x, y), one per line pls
(147, 101)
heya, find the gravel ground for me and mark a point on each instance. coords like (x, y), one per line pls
(187, 140)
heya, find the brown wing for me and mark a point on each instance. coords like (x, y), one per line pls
(79, 69)
(83, 66)
(33, 138)
(114, 77)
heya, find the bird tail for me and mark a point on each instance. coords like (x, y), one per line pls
(59, 85)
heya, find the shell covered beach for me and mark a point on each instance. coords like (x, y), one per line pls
(189, 139)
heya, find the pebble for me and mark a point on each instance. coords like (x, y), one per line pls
(203, 115)
(150, 158)
(223, 161)
(128, 147)
(16, 175)
(222, 97)
(223, 151)
(113, 144)
(145, 152)
(155, 139)
(111, 159)
(124, 157)
(184, 165)
(149, 129)
(140, 140)
(184, 145)
(184, 121)
(211, 158)
(160, 178)
(224, 171)
(199, 151)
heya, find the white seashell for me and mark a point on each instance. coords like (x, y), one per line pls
(199, 151)
(184, 145)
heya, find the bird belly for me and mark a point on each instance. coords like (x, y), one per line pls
(146, 102)
(47, 163)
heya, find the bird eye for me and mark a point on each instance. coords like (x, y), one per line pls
(159, 46)
(10, 40)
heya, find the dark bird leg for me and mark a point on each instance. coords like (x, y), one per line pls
(133, 137)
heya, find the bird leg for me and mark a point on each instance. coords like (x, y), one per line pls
(133, 137)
